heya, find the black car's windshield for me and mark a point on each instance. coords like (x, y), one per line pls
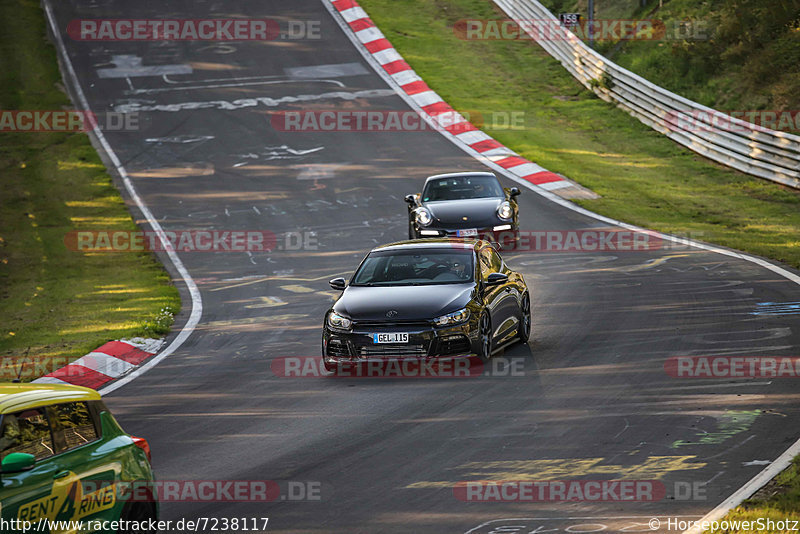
(415, 267)
(462, 187)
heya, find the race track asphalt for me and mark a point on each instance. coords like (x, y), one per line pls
(589, 398)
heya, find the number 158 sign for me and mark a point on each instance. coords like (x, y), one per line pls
(569, 19)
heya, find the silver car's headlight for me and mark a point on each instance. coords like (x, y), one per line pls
(339, 321)
(452, 318)
(423, 217)
(504, 211)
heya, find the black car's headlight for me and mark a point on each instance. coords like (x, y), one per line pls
(340, 322)
(452, 318)
(504, 211)
(423, 217)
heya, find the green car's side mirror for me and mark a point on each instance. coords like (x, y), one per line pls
(16, 462)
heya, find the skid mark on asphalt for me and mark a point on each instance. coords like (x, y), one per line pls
(653, 467)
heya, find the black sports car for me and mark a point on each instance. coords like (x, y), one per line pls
(437, 298)
(464, 204)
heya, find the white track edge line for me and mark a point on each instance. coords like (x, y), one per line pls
(194, 292)
(769, 472)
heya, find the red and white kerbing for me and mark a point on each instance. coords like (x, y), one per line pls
(109, 362)
(434, 106)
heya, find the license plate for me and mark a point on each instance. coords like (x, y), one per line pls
(467, 232)
(390, 338)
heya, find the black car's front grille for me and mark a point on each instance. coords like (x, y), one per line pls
(392, 351)
(405, 325)
(453, 345)
(338, 348)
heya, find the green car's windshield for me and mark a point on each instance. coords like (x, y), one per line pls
(415, 267)
(461, 188)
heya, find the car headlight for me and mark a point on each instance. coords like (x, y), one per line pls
(452, 318)
(423, 217)
(504, 211)
(339, 321)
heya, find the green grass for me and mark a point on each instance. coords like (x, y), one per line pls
(642, 177)
(778, 501)
(739, 55)
(56, 304)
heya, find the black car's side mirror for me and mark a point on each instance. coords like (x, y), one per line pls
(338, 283)
(411, 199)
(495, 279)
(515, 192)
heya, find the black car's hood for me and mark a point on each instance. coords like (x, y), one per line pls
(480, 212)
(410, 302)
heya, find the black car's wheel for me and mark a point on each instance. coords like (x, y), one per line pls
(485, 337)
(137, 515)
(525, 320)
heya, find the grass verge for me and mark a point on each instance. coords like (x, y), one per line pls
(777, 501)
(56, 304)
(643, 177)
(732, 56)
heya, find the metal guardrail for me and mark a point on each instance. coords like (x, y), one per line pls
(755, 150)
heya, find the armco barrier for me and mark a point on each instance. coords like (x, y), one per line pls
(752, 149)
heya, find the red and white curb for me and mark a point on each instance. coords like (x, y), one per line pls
(444, 116)
(109, 362)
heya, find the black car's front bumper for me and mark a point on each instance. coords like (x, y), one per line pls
(425, 341)
(501, 237)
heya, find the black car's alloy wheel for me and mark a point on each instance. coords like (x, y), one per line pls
(525, 321)
(485, 336)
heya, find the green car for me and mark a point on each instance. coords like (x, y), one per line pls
(64, 460)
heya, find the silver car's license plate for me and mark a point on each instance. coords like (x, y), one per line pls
(467, 232)
(395, 337)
